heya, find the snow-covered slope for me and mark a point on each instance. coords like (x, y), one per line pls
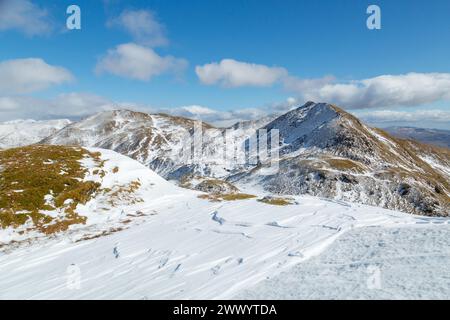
(153, 240)
(250, 125)
(24, 132)
(404, 262)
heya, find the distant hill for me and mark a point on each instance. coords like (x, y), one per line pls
(24, 132)
(432, 136)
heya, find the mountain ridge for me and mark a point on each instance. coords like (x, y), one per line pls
(324, 151)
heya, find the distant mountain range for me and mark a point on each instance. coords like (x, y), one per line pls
(324, 151)
(24, 132)
(432, 136)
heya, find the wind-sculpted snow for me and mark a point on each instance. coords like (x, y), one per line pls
(409, 262)
(185, 248)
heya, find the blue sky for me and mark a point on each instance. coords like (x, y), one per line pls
(276, 49)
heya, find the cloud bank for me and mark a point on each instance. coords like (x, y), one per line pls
(388, 116)
(411, 89)
(30, 75)
(69, 105)
(77, 105)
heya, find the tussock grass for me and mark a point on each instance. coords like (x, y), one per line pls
(29, 174)
(276, 201)
(209, 185)
(345, 165)
(226, 197)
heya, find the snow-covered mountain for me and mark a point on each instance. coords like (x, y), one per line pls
(432, 136)
(132, 235)
(330, 153)
(24, 132)
(155, 140)
(249, 125)
(324, 152)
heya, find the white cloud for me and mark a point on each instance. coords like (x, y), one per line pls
(70, 105)
(291, 100)
(8, 104)
(227, 118)
(24, 16)
(217, 118)
(198, 110)
(76, 105)
(29, 75)
(410, 89)
(232, 73)
(143, 27)
(387, 116)
(296, 84)
(133, 61)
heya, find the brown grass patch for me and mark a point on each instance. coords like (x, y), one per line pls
(276, 201)
(29, 174)
(345, 165)
(226, 197)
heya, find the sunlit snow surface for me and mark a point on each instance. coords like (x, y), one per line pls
(369, 263)
(185, 247)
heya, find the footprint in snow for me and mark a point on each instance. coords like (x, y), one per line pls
(177, 268)
(215, 270)
(216, 218)
(275, 224)
(295, 254)
(116, 252)
(164, 260)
